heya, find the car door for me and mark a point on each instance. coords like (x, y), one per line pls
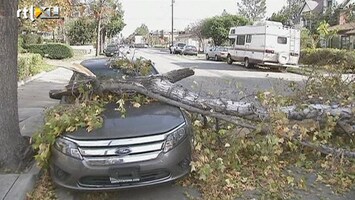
(210, 52)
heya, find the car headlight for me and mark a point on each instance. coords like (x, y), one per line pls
(68, 148)
(174, 138)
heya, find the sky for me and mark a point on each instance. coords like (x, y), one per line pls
(156, 14)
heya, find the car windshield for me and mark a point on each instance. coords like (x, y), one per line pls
(112, 47)
(107, 69)
(181, 45)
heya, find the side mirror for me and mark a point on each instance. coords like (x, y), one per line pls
(56, 94)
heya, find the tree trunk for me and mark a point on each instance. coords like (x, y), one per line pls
(98, 36)
(12, 145)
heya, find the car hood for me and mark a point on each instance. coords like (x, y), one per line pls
(150, 119)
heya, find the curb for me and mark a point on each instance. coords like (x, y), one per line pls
(29, 79)
(24, 184)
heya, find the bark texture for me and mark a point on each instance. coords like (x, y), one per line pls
(13, 146)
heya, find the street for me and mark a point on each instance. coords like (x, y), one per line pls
(218, 78)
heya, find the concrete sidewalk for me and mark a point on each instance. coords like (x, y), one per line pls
(33, 99)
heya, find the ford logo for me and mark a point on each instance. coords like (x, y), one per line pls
(123, 151)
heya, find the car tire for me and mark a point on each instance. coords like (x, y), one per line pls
(207, 57)
(229, 60)
(247, 63)
(282, 69)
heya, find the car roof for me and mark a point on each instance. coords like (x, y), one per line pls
(101, 66)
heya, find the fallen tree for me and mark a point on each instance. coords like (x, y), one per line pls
(247, 115)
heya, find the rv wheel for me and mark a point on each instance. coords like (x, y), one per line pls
(229, 60)
(246, 63)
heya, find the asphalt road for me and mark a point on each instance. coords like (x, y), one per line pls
(220, 79)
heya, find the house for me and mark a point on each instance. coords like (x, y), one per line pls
(312, 8)
(345, 35)
(345, 29)
(347, 8)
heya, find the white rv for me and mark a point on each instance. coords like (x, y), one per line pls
(265, 43)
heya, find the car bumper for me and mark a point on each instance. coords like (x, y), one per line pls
(74, 174)
(110, 54)
(177, 50)
(190, 53)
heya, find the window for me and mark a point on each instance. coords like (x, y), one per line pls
(240, 39)
(231, 42)
(249, 37)
(345, 42)
(233, 31)
(330, 3)
(282, 40)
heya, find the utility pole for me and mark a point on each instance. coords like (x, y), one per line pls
(172, 22)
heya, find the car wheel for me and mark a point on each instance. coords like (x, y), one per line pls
(229, 60)
(246, 63)
(216, 58)
(207, 57)
(283, 69)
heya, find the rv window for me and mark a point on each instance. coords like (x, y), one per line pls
(231, 41)
(233, 31)
(282, 40)
(240, 39)
(249, 38)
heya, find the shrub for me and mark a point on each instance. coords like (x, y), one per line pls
(51, 50)
(29, 64)
(29, 39)
(328, 57)
(20, 45)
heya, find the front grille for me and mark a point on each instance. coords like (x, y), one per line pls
(104, 181)
(120, 151)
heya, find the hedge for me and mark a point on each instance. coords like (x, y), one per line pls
(51, 50)
(328, 57)
(29, 64)
(29, 39)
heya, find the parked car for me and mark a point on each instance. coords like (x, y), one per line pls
(177, 49)
(151, 145)
(171, 49)
(189, 50)
(111, 50)
(217, 53)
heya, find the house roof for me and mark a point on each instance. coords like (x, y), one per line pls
(308, 6)
(345, 3)
(344, 27)
(352, 32)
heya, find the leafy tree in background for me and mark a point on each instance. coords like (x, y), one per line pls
(196, 30)
(253, 10)
(142, 30)
(218, 27)
(103, 10)
(289, 14)
(115, 25)
(81, 31)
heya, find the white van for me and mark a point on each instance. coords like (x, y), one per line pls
(265, 43)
